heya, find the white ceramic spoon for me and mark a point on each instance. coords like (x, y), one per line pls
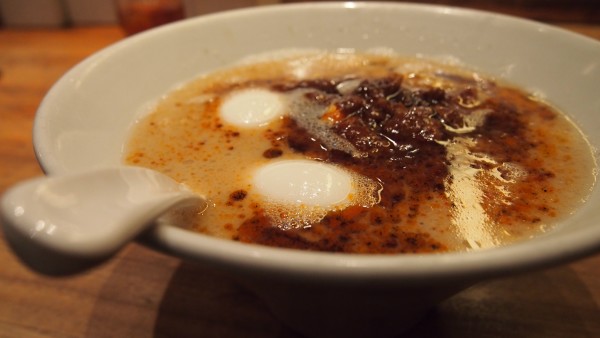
(64, 224)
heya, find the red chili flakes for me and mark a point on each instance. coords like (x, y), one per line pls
(237, 195)
(272, 153)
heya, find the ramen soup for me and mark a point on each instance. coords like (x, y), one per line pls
(365, 153)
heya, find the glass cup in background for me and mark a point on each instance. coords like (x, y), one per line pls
(138, 15)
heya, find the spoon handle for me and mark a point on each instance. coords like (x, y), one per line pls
(66, 223)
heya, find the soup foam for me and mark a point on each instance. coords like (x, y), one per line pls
(446, 159)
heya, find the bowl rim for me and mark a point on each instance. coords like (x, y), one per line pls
(539, 252)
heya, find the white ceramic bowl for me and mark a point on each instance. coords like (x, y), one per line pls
(85, 119)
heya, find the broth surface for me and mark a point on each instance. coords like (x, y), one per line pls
(461, 162)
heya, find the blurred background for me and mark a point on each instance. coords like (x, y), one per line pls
(140, 13)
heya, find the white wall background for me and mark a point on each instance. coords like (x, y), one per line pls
(57, 13)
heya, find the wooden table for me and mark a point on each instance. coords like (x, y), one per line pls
(142, 293)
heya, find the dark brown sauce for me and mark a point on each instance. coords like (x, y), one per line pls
(398, 129)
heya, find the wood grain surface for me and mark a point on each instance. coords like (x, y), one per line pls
(142, 293)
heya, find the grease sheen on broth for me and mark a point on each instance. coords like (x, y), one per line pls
(459, 160)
